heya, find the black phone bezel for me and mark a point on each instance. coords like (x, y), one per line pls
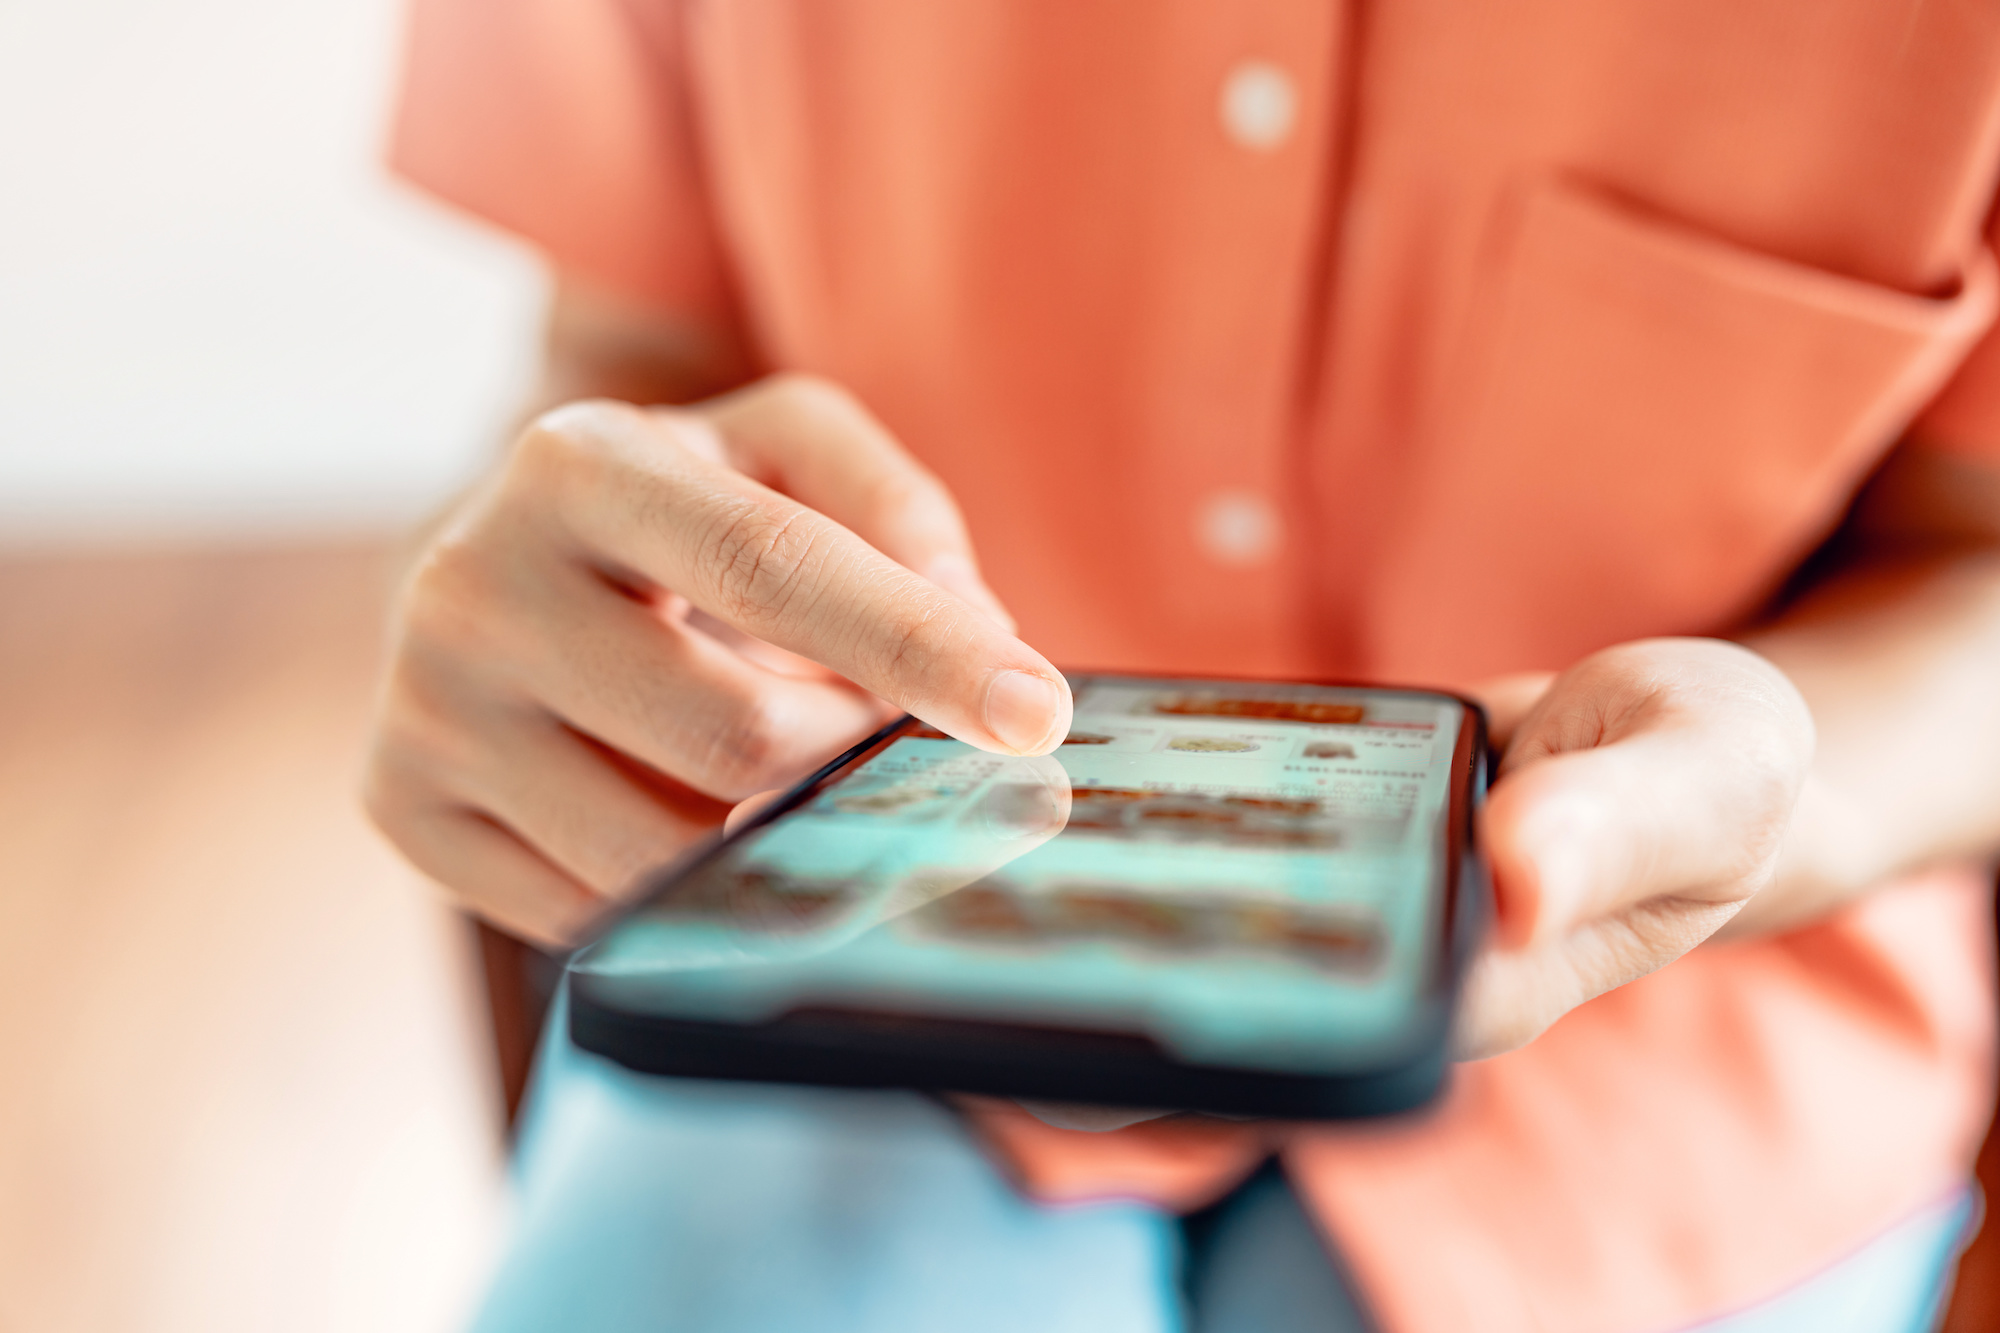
(853, 1048)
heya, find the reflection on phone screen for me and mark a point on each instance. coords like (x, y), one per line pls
(1245, 871)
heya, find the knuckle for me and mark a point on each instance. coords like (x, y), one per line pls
(394, 796)
(574, 427)
(421, 730)
(746, 751)
(908, 644)
(557, 439)
(910, 499)
(564, 450)
(449, 599)
(760, 557)
(811, 395)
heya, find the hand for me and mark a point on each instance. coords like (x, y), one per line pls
(1643, 800)
(647, 614)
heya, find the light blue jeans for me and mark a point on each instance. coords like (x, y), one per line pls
(664, 1204)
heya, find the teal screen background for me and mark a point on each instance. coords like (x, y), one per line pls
(1250, 874)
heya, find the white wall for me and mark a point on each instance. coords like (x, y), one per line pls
(217, 315)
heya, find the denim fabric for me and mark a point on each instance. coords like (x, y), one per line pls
(665, 1204)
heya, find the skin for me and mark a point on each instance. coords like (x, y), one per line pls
(647, 615)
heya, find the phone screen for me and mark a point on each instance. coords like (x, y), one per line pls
(1250, 874)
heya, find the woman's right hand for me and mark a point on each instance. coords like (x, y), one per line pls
(648, 614)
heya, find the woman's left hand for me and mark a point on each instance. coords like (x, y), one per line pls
(1643, 799)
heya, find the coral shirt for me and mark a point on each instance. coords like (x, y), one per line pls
(1414, 341)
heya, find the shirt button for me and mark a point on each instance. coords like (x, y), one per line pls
(1237, 528)
(1259, 105)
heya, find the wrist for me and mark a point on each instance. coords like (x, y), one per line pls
(1829, 857)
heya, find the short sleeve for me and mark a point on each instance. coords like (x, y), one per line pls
(1965, 416)
(569, 123)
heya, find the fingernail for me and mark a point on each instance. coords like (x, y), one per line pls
(954, 573)
(1022, 711)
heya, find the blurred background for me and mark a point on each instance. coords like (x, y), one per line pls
(247, 1078)
(247, 1081)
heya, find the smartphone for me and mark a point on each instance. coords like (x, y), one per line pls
(1237, 897)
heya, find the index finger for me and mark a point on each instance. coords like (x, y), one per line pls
(812, 440)
(773, 568)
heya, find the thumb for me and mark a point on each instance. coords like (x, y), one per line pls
(1659, 770)
(1576, 836)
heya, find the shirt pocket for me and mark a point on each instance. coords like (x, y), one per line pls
(1656, 424)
